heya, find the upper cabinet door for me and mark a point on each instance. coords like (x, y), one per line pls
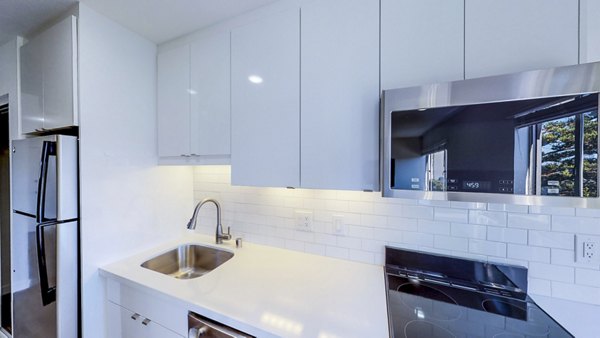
(516, 35)
(210, 89)
(422, 41)
(340, 94)
(174, 102)
(265, 103)
(48, 65)
(32, 84)
(590, 31)
(60, 74)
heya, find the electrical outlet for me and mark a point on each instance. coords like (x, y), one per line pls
(304, 220)
(338, 226)
(587, 249)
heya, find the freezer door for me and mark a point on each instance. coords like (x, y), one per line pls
(27, 168)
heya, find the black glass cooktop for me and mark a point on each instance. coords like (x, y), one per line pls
(425, 303)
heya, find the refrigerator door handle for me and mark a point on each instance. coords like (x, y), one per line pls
(48, 149)
(48, 293)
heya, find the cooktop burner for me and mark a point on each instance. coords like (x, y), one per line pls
(425, 303)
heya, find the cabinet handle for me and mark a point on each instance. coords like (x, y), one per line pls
(135, 316)
(185, 155)
(146, 321)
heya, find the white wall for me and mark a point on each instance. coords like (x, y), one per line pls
(9, 66)
(127, 202)
(540, 238)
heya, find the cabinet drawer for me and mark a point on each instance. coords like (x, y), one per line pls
(167, 313)
(124, 323)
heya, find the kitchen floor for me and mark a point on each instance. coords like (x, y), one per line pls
(25, 301)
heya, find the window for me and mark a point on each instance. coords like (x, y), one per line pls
(568, 154)
(435, 171)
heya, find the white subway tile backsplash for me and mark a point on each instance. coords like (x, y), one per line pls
(387, 209)
(468, 205)
(508, 208)
(326, 239)
(336, 252)
(361, 256)
(495, 218)
(585, 212)
(418, 239)
(373, 245)
(450, 243)
(376, 221)
(528, 221)
(584, 225)
(468, 230)
(539, 287)
(294, 245)
(360, 207)
(528, 253)
(552, 272)
(317, 249)
(551, 239)
(360, 231)
(435, 203)
(567, 258)
(349, 242)
(508, 235)
(451, 215)
(579, 293)
(417, 211)
(537, 209)
(487, 248)
(587, 277)
(538, 237)
(401, 223)
(388, 235)
(434, 227)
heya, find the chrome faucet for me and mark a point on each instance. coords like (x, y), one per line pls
(220, 235)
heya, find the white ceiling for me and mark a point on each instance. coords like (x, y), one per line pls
(19, 17)
(163, 20)
(157, 20)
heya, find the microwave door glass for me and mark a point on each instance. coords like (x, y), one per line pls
(545, 146)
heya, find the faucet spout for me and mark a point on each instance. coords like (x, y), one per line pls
(219, 235)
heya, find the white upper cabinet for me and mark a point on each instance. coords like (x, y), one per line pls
(173, 102)
(589, 31)
(340, 94)
(265, 101)
(193, 101)
(49, 78)
(516, 35)
(422, 41)
(32, 83)
(210, 91)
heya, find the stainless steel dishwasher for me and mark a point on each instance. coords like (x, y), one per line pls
(199, 326)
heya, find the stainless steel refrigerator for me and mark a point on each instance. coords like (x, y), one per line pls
(44, 237)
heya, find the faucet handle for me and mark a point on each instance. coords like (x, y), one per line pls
(229, 231)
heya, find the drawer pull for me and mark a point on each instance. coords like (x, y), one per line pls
(146, 321)
(135, 316)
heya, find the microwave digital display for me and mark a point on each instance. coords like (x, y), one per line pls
(540, 146)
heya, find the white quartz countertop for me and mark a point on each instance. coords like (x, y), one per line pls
(271, 292)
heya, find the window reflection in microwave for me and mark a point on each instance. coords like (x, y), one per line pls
(546, 146)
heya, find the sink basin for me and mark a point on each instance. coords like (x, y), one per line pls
(188, 261)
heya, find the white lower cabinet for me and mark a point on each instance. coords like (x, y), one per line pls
(123, 323)
(134, 313)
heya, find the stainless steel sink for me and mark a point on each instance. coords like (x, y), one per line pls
(188, 261)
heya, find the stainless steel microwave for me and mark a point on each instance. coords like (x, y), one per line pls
(525, 138)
